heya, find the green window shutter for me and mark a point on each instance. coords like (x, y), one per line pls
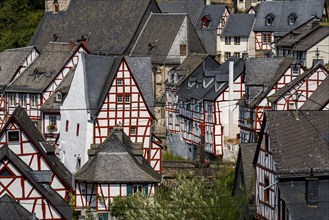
(146, 189)
(129, 190)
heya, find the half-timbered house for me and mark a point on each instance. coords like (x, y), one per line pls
(35, 84)
(206, 99)
(306, 43)
(299, 90)
(209, 26)
(116, 169)
(237, 37)
(276, 18)
(12, 63)
(167, 46)
(112, 92)
(264, 77)
(30, 172)
(292, 166)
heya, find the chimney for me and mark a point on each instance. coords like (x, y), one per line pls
(208, 2)
(71, 45)
(312, 190)
(83, 41)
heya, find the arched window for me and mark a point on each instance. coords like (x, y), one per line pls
(269, 19)
(292, 19)
(56, 6)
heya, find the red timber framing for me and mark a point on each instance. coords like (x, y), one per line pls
(223, 21)
(3, 112)
(263, 41)
(299, 93)
(18, 186)
(30, 153)
(124, 106)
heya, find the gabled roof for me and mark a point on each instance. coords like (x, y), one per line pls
(208, 35)
(304, 37)
(45, 149)
(212, 73)
(301, 78)
(319, 99)
(304, 10)
(12, 210)
(110, 26)
(43, 70)
(114, 163)
(239, 25)
(293, 194)
(191, 7)
(44, 188)
(262, 74)
(298, 144)
(10, 61)
(101, 70)
(156, 42)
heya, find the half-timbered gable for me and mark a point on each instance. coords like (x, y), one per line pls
(167, 46)
(298, 91)
(97, 21)
(116, 169)
(22, 137)
(264, 77)
(34, 86)
(30, 188)
(204, 98)
(237, 37)
(12, 63)
(209, 26)
(276, 18)
(291, 154)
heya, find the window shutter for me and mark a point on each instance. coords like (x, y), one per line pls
(146, 189)
(129, 189)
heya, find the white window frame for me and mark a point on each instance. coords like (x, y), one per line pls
(120, 99)
(22, 100)
(127, 98)
(34, 101)
(12, 99)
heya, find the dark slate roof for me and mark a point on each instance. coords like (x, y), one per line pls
(101, 70)
(262, 74)
(114, 163)
(192, 7)
(10, 61)
(45, 189)
(247, 155)
(303, 9)
(46, 150)
(110, 26)
(239, 25)
(319, 99)
(301, 78)
(53, 106)
(214, 71)
(156, 42)
(208, 35)
(293, 193)
(304, 37)
(50, 61)
(299, 145)
(12, 210)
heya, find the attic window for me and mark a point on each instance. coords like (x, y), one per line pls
(13, 136)
(190, 84)
(205, 21)
(269, 20)
(59, 97)
(56, 6)
(292, 19)
(183, 50)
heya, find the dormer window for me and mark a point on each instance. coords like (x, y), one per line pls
(206, 82)
(292, 19)
(218, 86)
(190, 84)
(205, 21)
(269, 19)
(56, 6)
(59, 97)
(175, 78)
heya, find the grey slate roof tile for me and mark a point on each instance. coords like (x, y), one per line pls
(114, 163)
(239, 25)
(303, 9)
(110, 26)
(247, 155)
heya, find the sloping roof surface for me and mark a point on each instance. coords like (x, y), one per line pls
(192, 7)
(299, 145)
(303, 9)
(12, 210)
(113, 163)
(319, 99)
(208, 35)
(10, 60)
(293, 193)
(156, 42)
(43, 70)
(109, 25)
(247, 155)
(239, 25)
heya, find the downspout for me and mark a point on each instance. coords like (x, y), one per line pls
(230, 97)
